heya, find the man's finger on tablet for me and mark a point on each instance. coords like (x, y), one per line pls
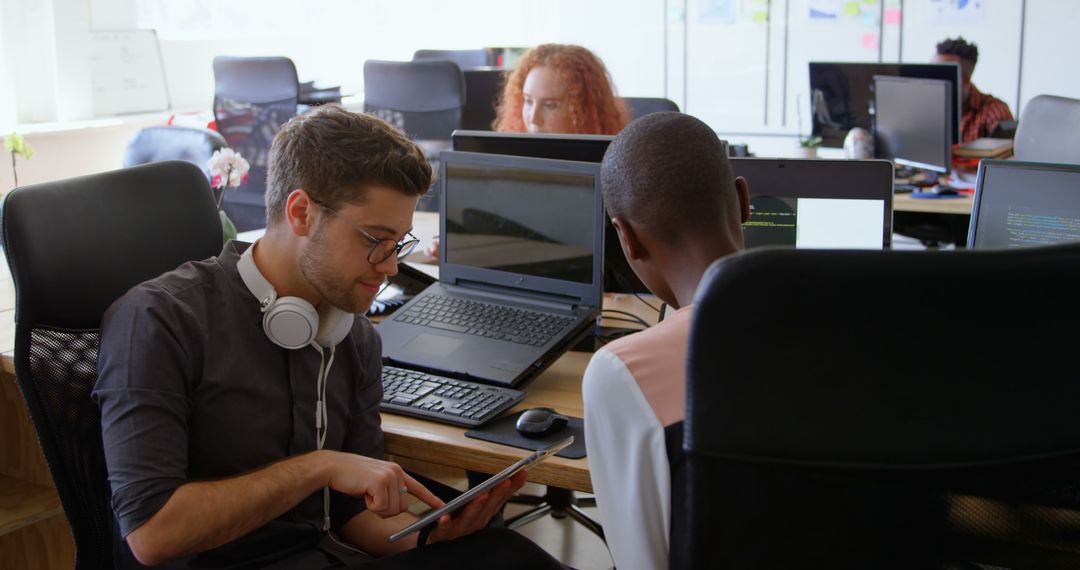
(421, 492)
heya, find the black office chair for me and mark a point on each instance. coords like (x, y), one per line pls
(882, 410)
(422, 98)
(641, 106)
(1049, 130)
(464, 58)
(253, 98)
(73, 247)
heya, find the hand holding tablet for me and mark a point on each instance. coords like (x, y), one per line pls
(483, 489)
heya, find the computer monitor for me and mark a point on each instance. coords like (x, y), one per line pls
(482, 88)
(1022, 204)
(842, 98)
(912, 122)
(583, 148)
(818, 204)
(618, 276)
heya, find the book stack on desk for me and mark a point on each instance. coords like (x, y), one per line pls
(985, 148)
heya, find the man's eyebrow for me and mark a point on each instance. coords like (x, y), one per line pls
(389, 230)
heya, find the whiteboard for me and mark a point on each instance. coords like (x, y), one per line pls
(126, 72)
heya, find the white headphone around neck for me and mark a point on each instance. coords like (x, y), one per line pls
(291, 322)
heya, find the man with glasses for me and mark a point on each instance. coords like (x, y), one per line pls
(240, 395)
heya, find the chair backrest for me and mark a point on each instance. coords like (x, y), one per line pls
(253, 98)
(1049, 130)
(641, 106)
(465, 58)
(155, 144)
(422, 98)
(73, 247)
(881, 410)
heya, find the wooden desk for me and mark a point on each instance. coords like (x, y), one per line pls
(958, 206)
(558, 387)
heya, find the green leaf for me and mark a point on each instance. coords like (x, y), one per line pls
(15, 143)
(228, 229)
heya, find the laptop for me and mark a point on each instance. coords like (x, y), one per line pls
(818, 204)
(519, 270)
(1023, 204)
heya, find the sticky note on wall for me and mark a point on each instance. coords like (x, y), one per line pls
(892, 16)
(851, 9)
(870, 41)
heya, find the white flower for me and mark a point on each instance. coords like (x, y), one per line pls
(227, 169)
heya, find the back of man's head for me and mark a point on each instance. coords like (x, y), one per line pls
(668, 174)
(335, 154)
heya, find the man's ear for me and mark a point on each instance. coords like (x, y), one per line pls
(742, 190)
(300, 212)
(629, 240)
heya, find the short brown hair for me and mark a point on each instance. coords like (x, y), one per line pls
(669, 172)
(334, 154)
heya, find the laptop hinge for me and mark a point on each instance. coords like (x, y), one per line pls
(510, 294)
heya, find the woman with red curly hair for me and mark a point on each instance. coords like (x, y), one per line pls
(559, 88)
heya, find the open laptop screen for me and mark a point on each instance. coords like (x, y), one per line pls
(1020, 204)
(523, 216)
(818, 204)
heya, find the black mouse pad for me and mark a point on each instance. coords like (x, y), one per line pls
(504, 431)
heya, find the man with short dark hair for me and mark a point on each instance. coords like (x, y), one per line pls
(240, 396)
(981, 112)
(677, 207)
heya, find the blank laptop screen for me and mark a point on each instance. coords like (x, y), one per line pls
(1021, 204)
(524, 220)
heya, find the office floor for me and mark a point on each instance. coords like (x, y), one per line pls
(564, 539)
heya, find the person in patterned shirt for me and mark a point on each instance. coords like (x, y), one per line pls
(981, 112)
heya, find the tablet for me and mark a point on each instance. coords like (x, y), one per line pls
(433, 515)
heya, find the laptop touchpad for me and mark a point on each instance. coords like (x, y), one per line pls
(433, 344)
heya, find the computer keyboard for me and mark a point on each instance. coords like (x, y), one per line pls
(499, 322)
(444, 399)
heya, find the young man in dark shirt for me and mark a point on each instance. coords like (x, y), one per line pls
(240, 397)
(981, 112)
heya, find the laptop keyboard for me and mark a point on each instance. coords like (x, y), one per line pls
(444, 399)
(499, 322)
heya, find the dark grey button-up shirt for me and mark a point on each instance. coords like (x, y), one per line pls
(190, 389)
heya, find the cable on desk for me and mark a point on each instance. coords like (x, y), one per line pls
(633, 318)
(647, 304)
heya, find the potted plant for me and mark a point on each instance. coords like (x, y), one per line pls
(15, 144)
(227, 170)
(808, 146)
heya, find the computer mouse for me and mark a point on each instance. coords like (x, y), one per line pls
(538, 422)
(945, 191)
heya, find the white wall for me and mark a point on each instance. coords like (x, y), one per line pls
(651, 47)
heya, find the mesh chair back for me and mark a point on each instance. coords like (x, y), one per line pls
(253, 98)
(422, 98)
(464, 58)
(1049, 130)
(73, 247)
(862, 410)
(155, 144)
(641, 106)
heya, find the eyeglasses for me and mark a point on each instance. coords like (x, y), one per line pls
(381, 249)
